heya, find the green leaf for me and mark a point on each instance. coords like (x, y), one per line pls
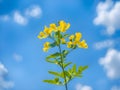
(70, 71)
(60, 35)
(55, 55)
(55, 73)
(56, 34)
(74, 68)
(74, 46)
(56, 61)
(54, 81)
(65, 52)
(80, 76)
(68, 77)
(66, 64)
(67, 74)
(66, 35)
(82, 68)
(57, 81)
(62, 74)
(50, 81)
(52, 61)
(53, 44)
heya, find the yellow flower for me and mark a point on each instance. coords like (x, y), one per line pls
(69, 44)
(75, 42)
(63, 26)
(53, 27)
(78, 36)
(82, 44)
(63, 40)
(71, 37)
(46, 46)
(45, 49)
(42, 35)
(47, 30)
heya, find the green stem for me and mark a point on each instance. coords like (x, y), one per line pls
(63, 67)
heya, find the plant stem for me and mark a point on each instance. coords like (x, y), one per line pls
(63, 67)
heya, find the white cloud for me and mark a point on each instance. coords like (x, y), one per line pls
(3, 83)
(115, 88)
(18, 18)
(111, 63)
(108, 43)
(104, 44)
(83, 87)
(23, 18)
(34, 11)
(3, 70)
(17, 57)
(108, 15)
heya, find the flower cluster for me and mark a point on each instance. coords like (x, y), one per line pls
(74, 41)
(57, 33)
(62, 27)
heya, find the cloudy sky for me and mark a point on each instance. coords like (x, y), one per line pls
(22, 61)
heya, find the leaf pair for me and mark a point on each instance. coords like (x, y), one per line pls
(77, 73)
(54, 81)
(55, 58)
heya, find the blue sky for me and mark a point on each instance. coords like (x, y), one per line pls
(22, 61)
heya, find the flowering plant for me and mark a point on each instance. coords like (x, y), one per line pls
(57, 32)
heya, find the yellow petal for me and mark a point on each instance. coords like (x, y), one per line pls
(47, 30)
(78, 36)
(75, 42)
(59, 28)
(46, 45)
(63, 26)
(67, 26)
(71, 37)
(82, 44)
(42, 35)
(45, 49)
(62, 23)
(53, 27)
(69, 44)
(63, 30)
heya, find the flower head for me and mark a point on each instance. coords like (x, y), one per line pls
(82, 44)
(69, 44)
(53, 27)
(74, 40)
(46, 46)
(42, 35)
(47, 30)
(63, 26)
(78, 36)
